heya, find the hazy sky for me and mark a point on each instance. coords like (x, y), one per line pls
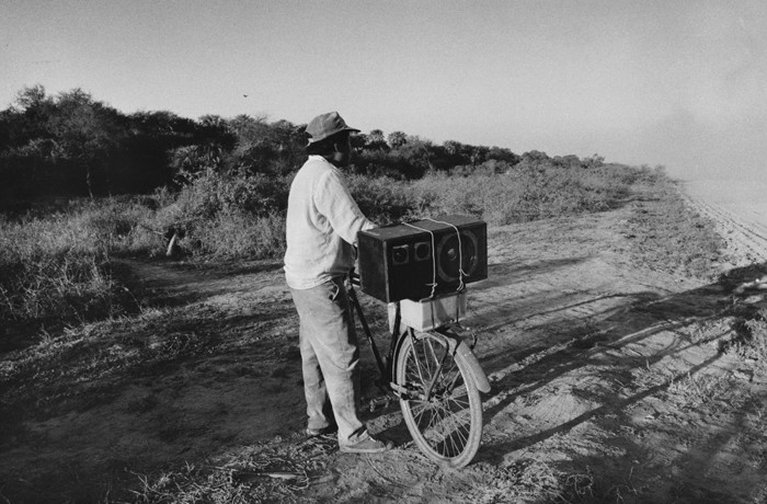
(678, 83)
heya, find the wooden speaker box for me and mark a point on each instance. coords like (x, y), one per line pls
(403, 261)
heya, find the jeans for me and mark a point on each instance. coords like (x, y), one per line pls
(330, 356)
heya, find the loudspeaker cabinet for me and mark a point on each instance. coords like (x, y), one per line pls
(403, 261)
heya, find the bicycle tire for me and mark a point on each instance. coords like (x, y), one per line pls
(445, 422)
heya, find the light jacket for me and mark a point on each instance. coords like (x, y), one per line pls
(322, 224)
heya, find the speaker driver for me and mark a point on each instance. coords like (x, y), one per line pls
(448, 264)
(400, 254)
(422, 251)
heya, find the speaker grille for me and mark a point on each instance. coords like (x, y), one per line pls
(451, 262)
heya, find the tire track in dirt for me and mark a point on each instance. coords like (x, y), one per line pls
(747, 241)
(743, 238)
(543, 293)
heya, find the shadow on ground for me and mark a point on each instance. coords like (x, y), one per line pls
(665, 327)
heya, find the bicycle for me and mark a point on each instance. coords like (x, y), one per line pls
(437, 379)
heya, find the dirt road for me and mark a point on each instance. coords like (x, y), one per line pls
(739, 209)
(608, 385)
(601, 369)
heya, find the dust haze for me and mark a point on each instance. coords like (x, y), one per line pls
(712, 122)
(693, 150)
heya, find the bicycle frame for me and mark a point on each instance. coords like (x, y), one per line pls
(384, 367)
(386, 381)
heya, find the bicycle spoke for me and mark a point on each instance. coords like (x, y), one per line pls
(435, 359)
(441, 423)
(447, 383)
(444, 424)
(421, 377)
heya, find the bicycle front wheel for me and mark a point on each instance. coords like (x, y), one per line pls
(439, 399)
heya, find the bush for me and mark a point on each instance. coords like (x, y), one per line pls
(55, 270)
(243, 216)
(383, 200)
(750, 333)
(756, 344)
(217, 215)
(213, 192)
(523, 193)
(239, 235)
(670, 236)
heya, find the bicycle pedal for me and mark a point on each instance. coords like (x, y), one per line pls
(398, 390)
(379, 403)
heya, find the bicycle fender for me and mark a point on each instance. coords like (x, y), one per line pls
(480, 378)
(456, 345)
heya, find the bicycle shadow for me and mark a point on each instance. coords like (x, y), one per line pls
(605, 347)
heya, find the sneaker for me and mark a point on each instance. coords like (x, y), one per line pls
(367, 445)
(325, 431)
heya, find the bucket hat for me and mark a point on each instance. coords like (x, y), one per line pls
(326, 125)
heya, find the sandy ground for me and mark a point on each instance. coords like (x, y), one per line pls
(609, 384)
(745, 199)
(739, 207)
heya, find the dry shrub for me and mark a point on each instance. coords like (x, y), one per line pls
(213, 192)
(56, 266)
(666, 234)
(55, 269)
(241, 215)
(225, 216)
(694, 390)
(752, 336)
(120, 225)
(383, 200)
(524, 193)
(758, 332)
(259, 473)
(239, 234)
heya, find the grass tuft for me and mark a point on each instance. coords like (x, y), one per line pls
(750, 341)
(273, 472)
(55, 271)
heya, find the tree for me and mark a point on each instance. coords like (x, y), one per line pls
(89, 133)
(502, 154)
(359, 141)
(570, 161)
(31, 97)
(397, 139)
(594, 161)
(276, 149)
(376, 140)
(452, 148)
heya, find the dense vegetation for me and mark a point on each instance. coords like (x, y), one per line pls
(83, 183)
(74, 145)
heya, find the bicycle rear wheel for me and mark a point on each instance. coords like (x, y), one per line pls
(439, 399)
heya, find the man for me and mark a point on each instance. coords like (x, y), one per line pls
(322, 224)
